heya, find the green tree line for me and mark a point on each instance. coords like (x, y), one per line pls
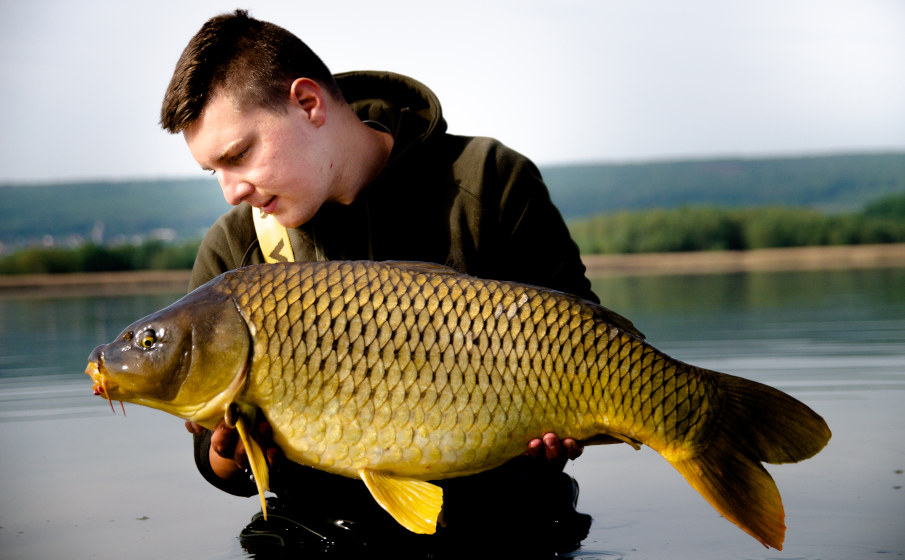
(151, 255)
(709, 228)
(687, 228)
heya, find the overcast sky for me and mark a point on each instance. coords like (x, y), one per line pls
(561, 81)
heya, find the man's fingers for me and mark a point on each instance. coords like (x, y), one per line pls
(536, 448)
(194, 428)
(263, 433)
(573, 449)
(553, 447)
(225, 441)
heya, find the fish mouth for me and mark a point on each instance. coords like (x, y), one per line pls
(100, 383)
(94, 373)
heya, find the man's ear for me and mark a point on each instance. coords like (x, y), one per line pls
(308, 95)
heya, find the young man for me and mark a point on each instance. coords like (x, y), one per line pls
(360, 166)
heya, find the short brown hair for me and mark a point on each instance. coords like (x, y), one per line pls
(253, 60)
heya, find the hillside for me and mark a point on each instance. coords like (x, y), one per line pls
(183, 209)
(108, 211)
(827, 183)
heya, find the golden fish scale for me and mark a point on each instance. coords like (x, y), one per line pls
(430, 374)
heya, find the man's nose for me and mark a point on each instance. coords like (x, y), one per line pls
(235, 188)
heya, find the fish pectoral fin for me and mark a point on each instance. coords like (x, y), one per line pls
(257, 460)
(414, 503)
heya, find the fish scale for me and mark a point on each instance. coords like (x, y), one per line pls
(402, 373)
(400, 338)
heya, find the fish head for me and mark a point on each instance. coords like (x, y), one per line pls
(188, 359)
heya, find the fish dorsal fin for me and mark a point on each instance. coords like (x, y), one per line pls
(609, 316)
(257, 460)
(423, 267)
(414, 503)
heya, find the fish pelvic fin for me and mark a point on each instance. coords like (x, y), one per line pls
(414, 503)
(757, 424)
(257, 461)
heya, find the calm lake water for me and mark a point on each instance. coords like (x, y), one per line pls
(79, 482)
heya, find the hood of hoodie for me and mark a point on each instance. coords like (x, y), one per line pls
(406, 106)
(411, 112)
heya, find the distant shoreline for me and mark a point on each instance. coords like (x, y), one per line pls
(703, 262)
(712, 262)
(95, 283)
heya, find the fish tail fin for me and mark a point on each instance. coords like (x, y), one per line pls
(757, 424)
(741, 490)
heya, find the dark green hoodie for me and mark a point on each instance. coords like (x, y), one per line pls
(470, 203)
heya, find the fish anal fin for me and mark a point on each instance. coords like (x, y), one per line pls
(414, 503)
(257, 460)
(609, 439)
(742, 490)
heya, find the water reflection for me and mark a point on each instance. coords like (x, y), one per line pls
(40, 335)
(44, 345)
(824, 293)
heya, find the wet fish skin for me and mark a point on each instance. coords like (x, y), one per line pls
(413, 371)
(419, 373)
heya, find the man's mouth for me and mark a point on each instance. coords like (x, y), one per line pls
(269, 206)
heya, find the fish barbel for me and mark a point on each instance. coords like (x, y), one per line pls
(403, 373)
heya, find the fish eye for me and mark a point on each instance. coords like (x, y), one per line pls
(147, 339)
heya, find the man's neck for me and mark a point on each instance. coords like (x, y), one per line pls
(367, 150)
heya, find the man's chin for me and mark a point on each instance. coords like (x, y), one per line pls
(288, 223)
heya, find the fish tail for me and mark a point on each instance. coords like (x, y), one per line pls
(757, 424)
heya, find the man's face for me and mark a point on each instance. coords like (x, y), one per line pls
(271, 159)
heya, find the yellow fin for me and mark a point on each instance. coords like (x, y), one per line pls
(756, 423)
(424, 267)
(609, 439)
(414, 503)
(258, 462)
(741, 490)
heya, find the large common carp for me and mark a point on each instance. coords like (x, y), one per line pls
(401, 373)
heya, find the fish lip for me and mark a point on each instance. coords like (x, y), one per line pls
(101, 383)
(93, 371)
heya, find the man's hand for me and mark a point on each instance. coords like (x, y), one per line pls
(554, 450)
(227, 456)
